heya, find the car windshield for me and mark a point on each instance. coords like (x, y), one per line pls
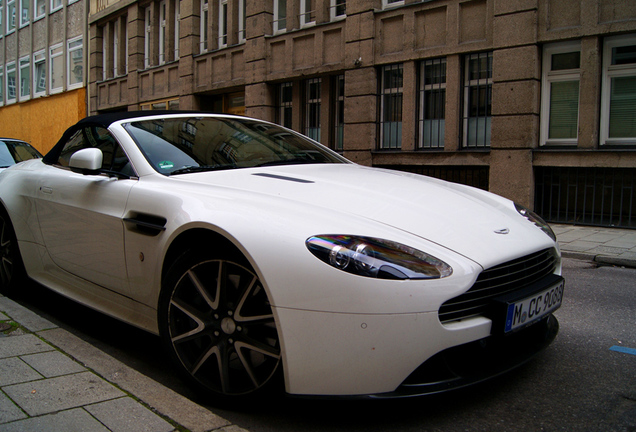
(194, 144)
(12, 152)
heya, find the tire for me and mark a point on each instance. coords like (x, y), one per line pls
(217, 324)
(12, 273)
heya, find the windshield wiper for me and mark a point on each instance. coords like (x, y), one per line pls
(202, 168)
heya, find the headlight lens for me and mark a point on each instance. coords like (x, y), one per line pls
(376, 258)
(536, 219)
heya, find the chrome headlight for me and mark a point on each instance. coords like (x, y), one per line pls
(376, 258)
(536, 219)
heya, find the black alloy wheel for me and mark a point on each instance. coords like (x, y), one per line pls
(11, 267)
(218, 325)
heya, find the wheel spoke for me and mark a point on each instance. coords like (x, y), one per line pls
(252, 289)
(213, 303)
(192, 314)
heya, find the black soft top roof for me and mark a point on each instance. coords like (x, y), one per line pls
(102, 120)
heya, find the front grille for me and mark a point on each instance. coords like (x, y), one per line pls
(496, 281)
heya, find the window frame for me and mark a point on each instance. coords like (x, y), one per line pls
(56, 5)
(547, 78)
(37, 16)
(338, 101)
(312, 107)
(24, 63)
(389, 94)
(39, 57)
(242, 21)
(388, 4)
(469, 84)
(162, 31)
(440, 98)
(147, 35)
(52, 57)
(280, 16)
(177, 29)
(25, 20)
(306, 15)
(205, 17)
(2, 91)
(10, 4)
(10, 68)
(334, 5)
(69, 59)
(610, 71)
(223, 24)
(284, 104)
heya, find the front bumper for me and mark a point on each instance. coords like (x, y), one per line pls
(477, 361)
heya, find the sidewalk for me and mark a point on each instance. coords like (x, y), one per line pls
(53, 381)
(611, 246)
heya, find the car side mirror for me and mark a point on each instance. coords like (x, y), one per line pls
(87, 161)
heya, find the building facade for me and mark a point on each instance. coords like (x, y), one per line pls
(42, 68)
(531, 99)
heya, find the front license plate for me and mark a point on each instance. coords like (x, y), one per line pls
(526, 311)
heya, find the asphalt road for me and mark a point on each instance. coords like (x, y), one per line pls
(581, 383)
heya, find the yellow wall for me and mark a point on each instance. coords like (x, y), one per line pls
(42, 121)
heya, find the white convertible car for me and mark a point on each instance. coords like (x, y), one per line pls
(261, 257)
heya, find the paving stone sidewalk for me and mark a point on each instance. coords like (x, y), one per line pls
(51, 380)
(612, 246)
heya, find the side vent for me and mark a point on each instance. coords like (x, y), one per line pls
(145, 224)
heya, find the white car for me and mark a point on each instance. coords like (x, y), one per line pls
(261, 257)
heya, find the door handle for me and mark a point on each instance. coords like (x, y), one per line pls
(47, 190)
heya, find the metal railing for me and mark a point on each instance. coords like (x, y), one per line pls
(587, 196)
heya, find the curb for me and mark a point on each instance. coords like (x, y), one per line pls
(600, 259)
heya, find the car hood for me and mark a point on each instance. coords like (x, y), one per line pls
(468, 221)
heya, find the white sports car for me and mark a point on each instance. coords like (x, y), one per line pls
(261, 257)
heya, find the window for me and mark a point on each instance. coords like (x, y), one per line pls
(56, 65)
(25, 78)
(242, 21)
(39, 73)
(168, 104)
(203, 42)
(337, 9)
(75, 63)
(618, 97)
(312, 108)
(1, 85)
(307, 13)
(11, 83)
(25, 8)
(39, 7)
(10, 16)
(1, 18)
(177, 19)
(115, 27)
(55, 5)
(391, 3)
(432, 100)
(162, 32)
(391, 82)
(477, 100)
(560, 93)
(222, 23)
(338, 112)
(280, 16)
(285, 105)
(147, 34)
(114, 159)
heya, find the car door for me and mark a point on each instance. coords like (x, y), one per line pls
(80, 216)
